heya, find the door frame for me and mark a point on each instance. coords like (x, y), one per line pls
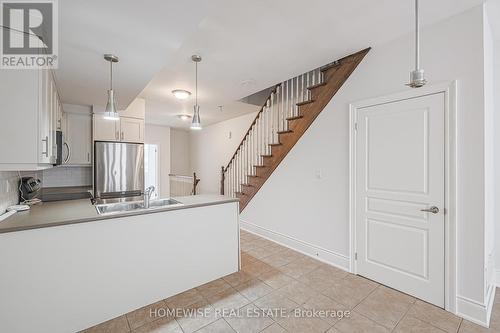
(450, 90)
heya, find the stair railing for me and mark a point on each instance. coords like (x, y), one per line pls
(181, 185)
(271, 120)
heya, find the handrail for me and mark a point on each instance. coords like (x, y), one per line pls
(192, 179)
(251, 125)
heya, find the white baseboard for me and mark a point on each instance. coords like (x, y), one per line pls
(318, 253)
(476, 312)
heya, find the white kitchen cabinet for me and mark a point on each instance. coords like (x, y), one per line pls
(124, 130)
(105, 129)
(131, 129)
(77, 139)
(27, 122)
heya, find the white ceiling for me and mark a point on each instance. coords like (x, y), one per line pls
(258, 40)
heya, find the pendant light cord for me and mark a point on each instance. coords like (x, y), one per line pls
(417, 38)
(196, 83)
(111, 70)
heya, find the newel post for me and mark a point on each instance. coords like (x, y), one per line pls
(222, 181)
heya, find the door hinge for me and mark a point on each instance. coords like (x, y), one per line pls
(355, 255)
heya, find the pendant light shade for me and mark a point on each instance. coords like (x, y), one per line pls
(196, 123)
(110, 112)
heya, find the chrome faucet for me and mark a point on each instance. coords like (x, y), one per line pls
(147, 195)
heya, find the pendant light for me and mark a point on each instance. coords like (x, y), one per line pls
(110, 112)
(196, 123)
(417, 78)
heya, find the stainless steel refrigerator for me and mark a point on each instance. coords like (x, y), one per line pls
(118, 170)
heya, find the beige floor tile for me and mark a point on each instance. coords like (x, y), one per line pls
(116, 325)
(469, 327)
(228, 299)
(298, 292)
(259, 252)
(275, 248)
(351, 290)
(299, 267)
(385, 306)
(196, 316)
(278, 303)
(317, 281)
(333, 330)
(254, 289)
(275, 279)
(358, 323)
(163, 325)
(332, 311)
(277, 260)
(435, 316)
(329, 272)
(413, 325)
(219, 326)
(256, 268)
(146, 314)
(251, 320)
(274, 328)
(184, 299)
(237, 278)
(303, 321)
(246, 258)
(214, 287)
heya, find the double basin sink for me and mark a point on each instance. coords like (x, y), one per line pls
(125, 207)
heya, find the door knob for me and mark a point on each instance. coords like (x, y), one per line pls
(433, 210)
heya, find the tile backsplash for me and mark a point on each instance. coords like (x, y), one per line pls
(9, 181)
(67, 176)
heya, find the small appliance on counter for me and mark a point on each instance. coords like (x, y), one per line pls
(29, 190)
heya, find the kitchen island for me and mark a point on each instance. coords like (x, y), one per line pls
(65, 268)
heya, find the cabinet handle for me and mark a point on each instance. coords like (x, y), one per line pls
(46, 152)
(88, 157)
(69, 153)
(122, 136)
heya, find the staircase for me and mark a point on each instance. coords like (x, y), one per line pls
(290, 109)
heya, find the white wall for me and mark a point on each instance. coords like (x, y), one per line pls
(212, 147)
(180, 157)
(293, 202)
(160, 135)
(9, 182)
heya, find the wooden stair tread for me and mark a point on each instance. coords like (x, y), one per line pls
(330, 65)
(260, 166)
(275, 144)
(247, 185)
(270, 155)
(317, 85)
(294, 117)
(283, 132)
(305, 102)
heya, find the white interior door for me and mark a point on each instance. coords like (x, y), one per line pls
(399, 174)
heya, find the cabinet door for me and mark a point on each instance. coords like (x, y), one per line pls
(105, 129)
(77, 139)
(132, 129)
(45, 139)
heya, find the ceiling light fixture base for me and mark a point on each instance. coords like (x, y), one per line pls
(196, 58)
(111, 58)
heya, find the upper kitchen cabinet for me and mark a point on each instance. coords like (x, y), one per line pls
(29, 119)
(129, 128)
(77, 135)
